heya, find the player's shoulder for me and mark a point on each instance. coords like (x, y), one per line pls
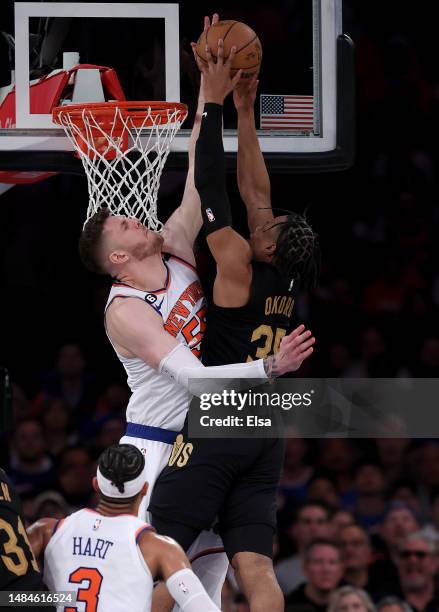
(152, 541)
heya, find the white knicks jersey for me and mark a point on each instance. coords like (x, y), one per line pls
(156, 400)
(97, 557)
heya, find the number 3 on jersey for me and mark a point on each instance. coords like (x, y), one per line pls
(90, 594)
(271, 343)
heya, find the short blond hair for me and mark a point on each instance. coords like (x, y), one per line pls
(343, 591)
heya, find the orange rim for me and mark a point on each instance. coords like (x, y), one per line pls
(154, 112)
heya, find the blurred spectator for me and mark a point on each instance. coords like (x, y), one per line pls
(296, 471)
(311, 523)
(417, 566)
(339, 520)
(399, 522)
(370, 487)
(75, 476)
(114, 400)
(20, 404)
(50, 504)
(393, 604)
(356, 549)
(323, 571)
(323, 489)
(110, 432)
(391, 454)
(432, 528)
(30, 468)
(69, 381)
(337, 457)
(426, 465)
(350, 599)
(55, 418)
(405, 491)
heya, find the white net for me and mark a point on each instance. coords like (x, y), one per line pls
(123, 148)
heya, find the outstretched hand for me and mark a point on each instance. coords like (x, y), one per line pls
(294, 349)
(217, 81)
(244, 94)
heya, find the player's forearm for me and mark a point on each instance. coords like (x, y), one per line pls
(189, 593)
(210, 171)
(181, 366)
(253, 179)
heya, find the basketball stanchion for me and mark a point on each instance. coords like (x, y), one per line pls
(123, 147)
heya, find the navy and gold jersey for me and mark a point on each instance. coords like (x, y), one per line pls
(253, 331)
(18, 567)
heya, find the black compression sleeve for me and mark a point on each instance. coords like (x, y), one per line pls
(210, 170)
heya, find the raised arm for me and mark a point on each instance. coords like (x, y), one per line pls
(231, 252)
(138, 331)
(185, 222)
(253, 179)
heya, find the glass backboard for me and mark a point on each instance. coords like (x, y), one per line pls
(305, 97)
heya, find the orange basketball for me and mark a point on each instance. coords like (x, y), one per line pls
(235, 34)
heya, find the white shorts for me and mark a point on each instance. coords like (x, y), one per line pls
(156, 458)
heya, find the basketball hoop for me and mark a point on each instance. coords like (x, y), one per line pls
(123, 147)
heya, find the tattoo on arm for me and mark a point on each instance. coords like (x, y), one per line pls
(271, 367)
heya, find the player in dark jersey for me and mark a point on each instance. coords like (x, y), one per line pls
(249, 314)
(19, 569)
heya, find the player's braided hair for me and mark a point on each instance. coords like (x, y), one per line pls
(297, 254)
(89, 242)
(121, 463)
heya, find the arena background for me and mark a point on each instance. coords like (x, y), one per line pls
(375, 312)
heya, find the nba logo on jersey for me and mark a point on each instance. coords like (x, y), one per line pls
(210, 215)
(97, 524)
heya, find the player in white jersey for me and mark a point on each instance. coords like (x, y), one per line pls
(155, 320)
(108, 556)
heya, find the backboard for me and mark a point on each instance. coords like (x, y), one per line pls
(305, 106)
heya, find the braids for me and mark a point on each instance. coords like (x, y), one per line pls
(121, 463)
(297, 253)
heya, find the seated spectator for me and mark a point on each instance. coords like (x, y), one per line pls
(50, 504)
(370, 485)
(399, 521)
(417, 566)
(404, 491)
(392, 604)
(55, 417)
(75, 477)
(350, 599)
(337, 457)
(356, 549)
(339, 520)
(323, 571)
(392, 454)
(30, 468)
(311, 523)
(296, 472)
(321, 488)
(432, 528)
(70, 381)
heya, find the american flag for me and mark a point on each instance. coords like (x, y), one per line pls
(287, 112)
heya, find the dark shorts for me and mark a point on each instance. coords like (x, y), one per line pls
(228, 482)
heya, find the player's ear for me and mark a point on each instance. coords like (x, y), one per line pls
(144, 489)
(95, 484)
(270, 249)
(118, 257)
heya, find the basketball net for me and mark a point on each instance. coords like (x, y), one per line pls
(123, 147)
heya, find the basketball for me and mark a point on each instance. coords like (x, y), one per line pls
(234, 34)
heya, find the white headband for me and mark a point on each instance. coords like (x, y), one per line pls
(131, 487)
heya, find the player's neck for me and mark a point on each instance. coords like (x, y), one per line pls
(108, 509)
(148, 274)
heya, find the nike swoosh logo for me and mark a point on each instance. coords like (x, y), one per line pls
(204, 114)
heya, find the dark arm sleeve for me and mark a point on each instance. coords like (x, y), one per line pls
(210, 170)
